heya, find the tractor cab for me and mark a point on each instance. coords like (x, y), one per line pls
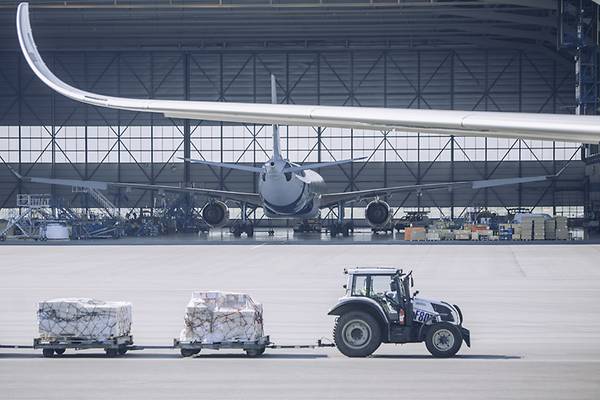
(389, 287)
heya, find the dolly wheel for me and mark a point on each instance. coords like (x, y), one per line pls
(122, 350)
(47, 353)
(60, 352)
(110, 352)
(189, 352)
(255, 352)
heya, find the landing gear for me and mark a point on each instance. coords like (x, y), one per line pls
(340, 225)
(244, 225)
(345, 228)
(307, 226)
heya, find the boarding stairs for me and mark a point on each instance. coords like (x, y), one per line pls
(105, 204)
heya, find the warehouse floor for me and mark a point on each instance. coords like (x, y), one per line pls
(532, 310)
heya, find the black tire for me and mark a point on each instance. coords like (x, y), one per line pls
(110, 352)
(360, 328)
(333, 230)
(47, 353)
(189, 352)
(443, 340)
(250, 231)
(255, 352)
(345, 231)
(122, 350)
(60, 352)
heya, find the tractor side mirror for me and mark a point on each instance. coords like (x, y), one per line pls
(412, 282)
(415, 294)
(345, 286)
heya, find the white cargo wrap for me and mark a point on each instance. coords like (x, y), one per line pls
(83, 318)
(212, 317)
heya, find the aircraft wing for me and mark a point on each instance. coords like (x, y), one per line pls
(250, 198)
(332, 199)
(568, 128)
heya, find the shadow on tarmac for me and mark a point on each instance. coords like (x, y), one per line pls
(267, 356)
(162, 356)
(459, 356)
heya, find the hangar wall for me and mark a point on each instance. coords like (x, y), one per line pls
(44, 133)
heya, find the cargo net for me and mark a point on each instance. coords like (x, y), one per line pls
(83, 318)
(213, 317)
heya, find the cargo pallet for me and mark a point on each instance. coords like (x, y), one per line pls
(115, 346)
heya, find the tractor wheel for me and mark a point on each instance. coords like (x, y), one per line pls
(443, 340)
(250, 230)
(357, 334)
(59, 352)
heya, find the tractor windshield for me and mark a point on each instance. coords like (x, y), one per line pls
(374, 286)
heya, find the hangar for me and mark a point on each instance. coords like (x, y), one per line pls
(464, 55)
(503, 266)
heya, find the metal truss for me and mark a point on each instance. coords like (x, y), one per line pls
(488, 79)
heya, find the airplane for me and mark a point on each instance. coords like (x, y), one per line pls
(293, 191)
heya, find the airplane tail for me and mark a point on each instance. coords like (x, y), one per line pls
(276, 139)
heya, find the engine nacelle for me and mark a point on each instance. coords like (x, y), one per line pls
(378, 214)
(216, 214)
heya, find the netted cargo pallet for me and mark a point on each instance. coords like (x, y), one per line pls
(113, 347)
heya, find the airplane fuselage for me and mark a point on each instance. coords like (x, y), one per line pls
(291, 194)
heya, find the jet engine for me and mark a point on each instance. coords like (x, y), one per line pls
(378, 214)
(215, 213)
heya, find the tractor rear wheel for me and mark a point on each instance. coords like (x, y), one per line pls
(443, 340)
(357, 334)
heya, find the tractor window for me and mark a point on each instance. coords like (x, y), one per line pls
(380, 285)
(360, 285)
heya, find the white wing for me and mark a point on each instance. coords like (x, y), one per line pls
(581, 129)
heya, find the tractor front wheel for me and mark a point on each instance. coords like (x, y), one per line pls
(357, 334)
(443, 340)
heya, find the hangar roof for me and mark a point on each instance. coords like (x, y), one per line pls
(277, 24)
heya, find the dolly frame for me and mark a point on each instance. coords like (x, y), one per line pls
(113, 346)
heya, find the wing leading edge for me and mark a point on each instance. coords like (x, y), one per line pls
(571, 128)
(332, 199)
(249, 198)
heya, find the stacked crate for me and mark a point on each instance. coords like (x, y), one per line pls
(557, 229)
(462, 234)
(415, 234)
(539, 228)
(505, 231)
(526, 228)
(433, 235)
(516, 232)
(562, 228)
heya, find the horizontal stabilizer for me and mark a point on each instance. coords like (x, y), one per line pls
(298, 168)
(239, 167)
